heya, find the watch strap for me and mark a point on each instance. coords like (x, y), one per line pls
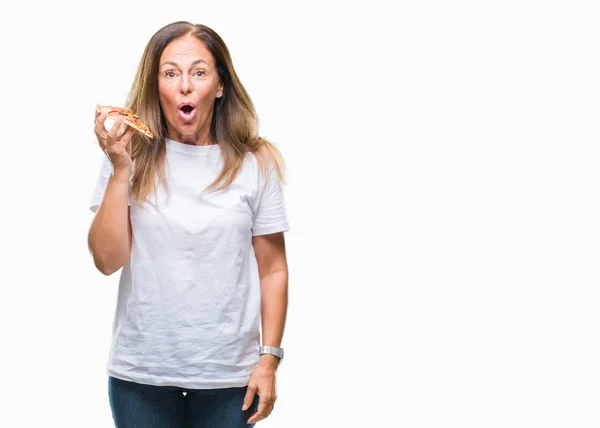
(272, 350)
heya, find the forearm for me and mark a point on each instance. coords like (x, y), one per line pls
(274, 301)
(109, 235)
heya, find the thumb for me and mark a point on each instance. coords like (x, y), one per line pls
(249, 397)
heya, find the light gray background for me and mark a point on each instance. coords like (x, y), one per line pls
(443, 197)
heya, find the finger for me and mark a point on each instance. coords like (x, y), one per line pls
(100, 131)
(270, 405)
(260, 413)
(99, 123)
(249, 397)
(270, 409)
(267, 412)
(126, 136)
(112, 134)
(125, 140)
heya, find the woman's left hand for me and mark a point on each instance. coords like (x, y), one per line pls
(262, 381)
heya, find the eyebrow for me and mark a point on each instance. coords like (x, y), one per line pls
(177, 65)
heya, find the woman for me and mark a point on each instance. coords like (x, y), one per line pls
(195, 217)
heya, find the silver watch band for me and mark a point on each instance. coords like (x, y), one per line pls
(272, 350)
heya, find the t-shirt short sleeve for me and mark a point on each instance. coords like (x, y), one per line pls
(101, 183)
(270, 214)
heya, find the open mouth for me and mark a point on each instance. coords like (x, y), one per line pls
(187, 111)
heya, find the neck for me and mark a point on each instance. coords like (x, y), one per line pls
(196, 139)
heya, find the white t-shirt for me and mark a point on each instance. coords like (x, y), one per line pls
(188, 305)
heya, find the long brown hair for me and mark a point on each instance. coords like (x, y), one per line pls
(234, 123)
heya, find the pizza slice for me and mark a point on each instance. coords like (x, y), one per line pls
(129, 118)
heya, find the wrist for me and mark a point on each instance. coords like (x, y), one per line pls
(268, 361)
(122, 174)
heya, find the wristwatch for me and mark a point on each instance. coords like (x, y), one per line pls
(278, 352)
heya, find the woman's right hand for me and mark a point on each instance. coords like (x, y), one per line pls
(117, 147)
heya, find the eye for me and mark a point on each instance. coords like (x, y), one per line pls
(169, 73)
(200, 73)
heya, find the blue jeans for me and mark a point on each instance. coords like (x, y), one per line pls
(137, 405)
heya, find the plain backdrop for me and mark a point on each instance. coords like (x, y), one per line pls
(443, 197)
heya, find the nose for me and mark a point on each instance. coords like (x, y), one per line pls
(186, 85)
